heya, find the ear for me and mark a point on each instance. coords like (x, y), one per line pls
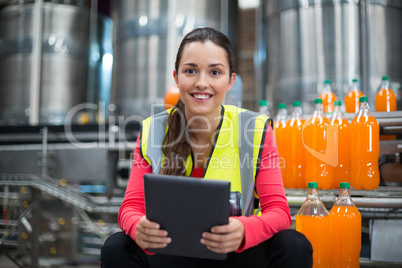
(231, 81)
(175, 77)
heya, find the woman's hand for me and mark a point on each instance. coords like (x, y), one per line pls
(149, 235)
(224, 238)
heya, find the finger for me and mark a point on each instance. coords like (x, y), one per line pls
(233, 226)
(222, 238)
(148, 224)
(224, 247)
(152, 231)
(147, 244)
(145, 240)
(153, 241)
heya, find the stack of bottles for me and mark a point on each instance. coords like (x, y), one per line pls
(335, 235)
(326, 147)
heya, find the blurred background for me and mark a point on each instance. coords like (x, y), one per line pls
(78, 76)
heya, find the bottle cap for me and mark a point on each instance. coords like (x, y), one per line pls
(327, 81)
(363, 99)
(313, 185)
(317, 101)
(344, 185)
(296, 103)
(355, 80)
(384, 78)
(338, 103)
(262, 103)
(281, 105)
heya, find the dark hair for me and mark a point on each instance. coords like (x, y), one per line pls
(176, 147)
(207, 34)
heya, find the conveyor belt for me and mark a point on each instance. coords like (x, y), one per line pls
(64, 192)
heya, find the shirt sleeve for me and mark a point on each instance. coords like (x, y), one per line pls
(133, 206)
(271, 193)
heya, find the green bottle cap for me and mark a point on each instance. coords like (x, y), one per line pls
(262, 103)
(317, 101)
(344, 185)
(385, 78)
(355, 80)
(327, 81)
(296, 103)
(363, 99)
(281, 105)
(338, 103)
(313, 185)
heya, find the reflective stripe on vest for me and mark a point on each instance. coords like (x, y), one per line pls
(234, 156)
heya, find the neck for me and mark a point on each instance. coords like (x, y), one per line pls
(202, 128)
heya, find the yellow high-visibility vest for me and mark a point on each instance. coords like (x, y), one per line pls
(235, 154)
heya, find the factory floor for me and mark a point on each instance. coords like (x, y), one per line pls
(5, 262)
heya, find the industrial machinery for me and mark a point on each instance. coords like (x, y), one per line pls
(68, 127)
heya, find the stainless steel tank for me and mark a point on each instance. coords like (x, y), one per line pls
(63, 62)
(146, 38)
(306, 42)
(384, 45)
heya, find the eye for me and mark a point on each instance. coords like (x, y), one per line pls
(215, 72)
(189, 71)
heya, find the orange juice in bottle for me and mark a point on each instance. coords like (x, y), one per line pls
(346, 231)
(352, 103)
(296, 152)
(385, 101)
(364, 149)
(328, 97)
(172, 96)
(342, 127)
(280, 132)
(315, 141)
(314, 221)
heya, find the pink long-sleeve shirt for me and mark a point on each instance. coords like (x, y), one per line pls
(269, 186)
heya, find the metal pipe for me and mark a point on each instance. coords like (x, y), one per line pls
(372, 202)
(44, 132)
(260, 54)
(93, 28)
(365, 52)
(36, 63)
(35, 229)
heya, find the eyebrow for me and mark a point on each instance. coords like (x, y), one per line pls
(210, 65)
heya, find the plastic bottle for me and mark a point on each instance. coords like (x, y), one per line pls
(172, 96)
(280, 132)
(352, 103)
(364, 149)
(385, 101)
(328, 97)
(263, 107)
(314, 222)
(342, 127)
(317, 145)
(346, 230)
(296, 157)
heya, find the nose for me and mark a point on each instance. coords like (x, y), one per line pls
(202, 81)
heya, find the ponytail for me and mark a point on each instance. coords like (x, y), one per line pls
(175, 145)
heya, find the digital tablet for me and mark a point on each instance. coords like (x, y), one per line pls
(186, 207)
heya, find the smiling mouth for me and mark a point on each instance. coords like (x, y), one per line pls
(201, 96)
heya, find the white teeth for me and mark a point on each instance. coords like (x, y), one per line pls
(203, 97)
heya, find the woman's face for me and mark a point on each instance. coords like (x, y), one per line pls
(203, 78)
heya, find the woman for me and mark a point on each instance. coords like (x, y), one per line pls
(207, 139)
